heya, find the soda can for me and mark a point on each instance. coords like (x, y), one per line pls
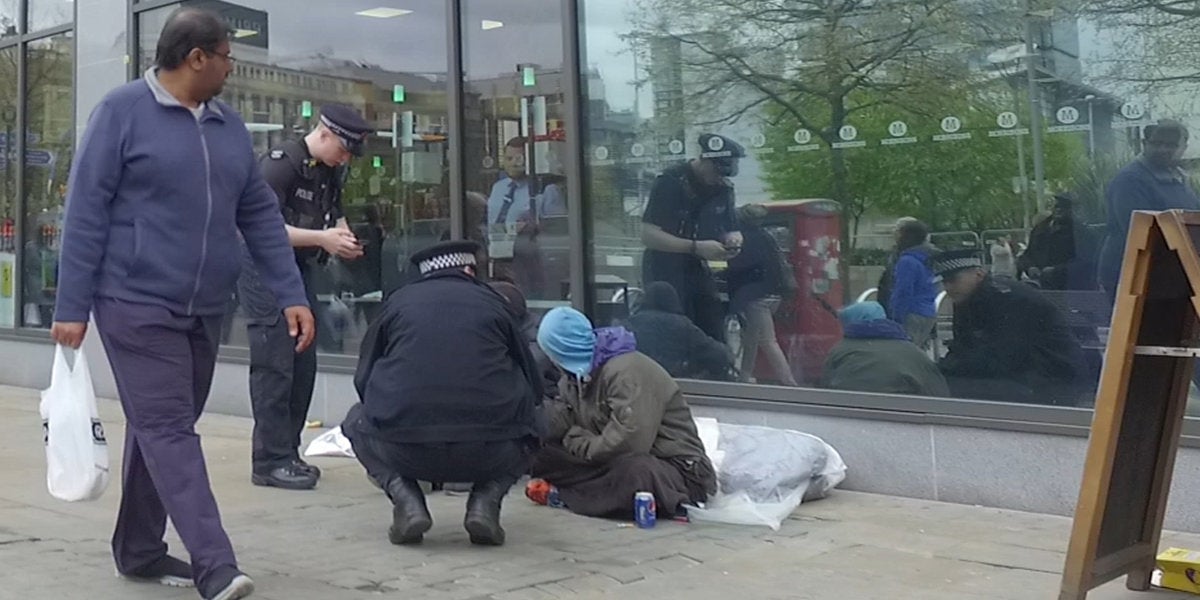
(553, 500)
(645, 513)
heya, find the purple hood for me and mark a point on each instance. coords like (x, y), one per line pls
(612, 342)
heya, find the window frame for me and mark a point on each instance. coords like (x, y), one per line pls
(21, 42)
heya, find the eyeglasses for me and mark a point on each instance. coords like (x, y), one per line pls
(228, 56)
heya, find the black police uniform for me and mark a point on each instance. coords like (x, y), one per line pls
(1012, 345)
(449, 392)
(687, 208)
(281, 381)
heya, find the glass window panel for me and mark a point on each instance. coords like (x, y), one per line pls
(49, 147)
(972, 117)
(50, 13)
(10, 19)
(8, 186)
(515, 144)
(289, 64)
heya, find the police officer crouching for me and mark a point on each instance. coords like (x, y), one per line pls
(449, 392)
(307, 177)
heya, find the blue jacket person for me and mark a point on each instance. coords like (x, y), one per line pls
(162, 184)
(306, 175)
(449, 392)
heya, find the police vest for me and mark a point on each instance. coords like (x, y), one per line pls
(305, 204)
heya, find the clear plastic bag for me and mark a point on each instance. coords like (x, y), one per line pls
(330, 443)
(764, 473)
(76, 449)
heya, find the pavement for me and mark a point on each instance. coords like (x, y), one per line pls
(330, 543)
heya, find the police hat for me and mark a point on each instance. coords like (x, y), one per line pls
(713, 145)
(347, 124)
(454, 254)
(950, 262)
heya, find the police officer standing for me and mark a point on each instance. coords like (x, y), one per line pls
(307, 177)
(689, 221)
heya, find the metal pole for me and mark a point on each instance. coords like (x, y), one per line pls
(1091, 128)
(1035, 107)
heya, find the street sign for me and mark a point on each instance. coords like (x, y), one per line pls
(39, 158)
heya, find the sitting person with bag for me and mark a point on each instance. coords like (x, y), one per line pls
(620, 428)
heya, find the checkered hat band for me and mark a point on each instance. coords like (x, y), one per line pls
(447, 261)
(339, 130)
(956, 264)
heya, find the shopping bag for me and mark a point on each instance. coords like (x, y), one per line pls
(330, 443)
(76, 450)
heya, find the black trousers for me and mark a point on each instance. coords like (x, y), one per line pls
(502, 461)
(281, 389)
(697, 292)
(607, 490)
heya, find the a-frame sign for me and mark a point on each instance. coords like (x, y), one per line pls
(1139, 407)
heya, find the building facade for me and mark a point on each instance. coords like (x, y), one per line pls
(542, 126)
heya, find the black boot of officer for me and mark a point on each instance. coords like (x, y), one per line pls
(482, 520)
(410, 516)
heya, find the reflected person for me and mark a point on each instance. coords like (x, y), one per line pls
(1154, 181)
(760, 281)
(1010, 343)
(690, 221)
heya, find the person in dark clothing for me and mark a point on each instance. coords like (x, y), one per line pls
(622, 426)
(883, 291)
(527, 324)
(1061, 253)
(689, 221)
(913, 299)
(1154, 181)
(876, 355)
(449, 393)
(674, 342)
(1010, 344)
(306, 175)
(759, 281)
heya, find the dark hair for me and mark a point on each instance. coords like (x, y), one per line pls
(1167, 125)
(186, 30)
(912, 233)
(517, 142)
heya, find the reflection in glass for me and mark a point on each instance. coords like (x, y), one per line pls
(391, 67)
(49, 147)
(998, 128)
(515, 143)
(8, 186)
(49, 13)
(9, 18)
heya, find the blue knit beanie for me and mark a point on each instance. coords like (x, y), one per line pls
(862, 311)
(567, 337)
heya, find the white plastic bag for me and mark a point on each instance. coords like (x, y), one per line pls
(330, 443)
(763, 474)
(76, 450)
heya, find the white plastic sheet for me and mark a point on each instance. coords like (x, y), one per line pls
(330, 443)
(76, 449)
(763, 473)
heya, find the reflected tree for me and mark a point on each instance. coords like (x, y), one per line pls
(812, 64)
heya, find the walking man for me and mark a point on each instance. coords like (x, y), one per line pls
(163, 181)
(306, 175)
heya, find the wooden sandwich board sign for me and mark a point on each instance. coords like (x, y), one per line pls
(1139, 406)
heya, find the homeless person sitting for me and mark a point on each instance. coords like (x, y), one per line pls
(448, 393)
(673, 341)
(876, 355)
(621, 427)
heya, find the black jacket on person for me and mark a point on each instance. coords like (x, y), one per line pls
(757, 271)
(446, 362)
(673, 341)
(1007, 330)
